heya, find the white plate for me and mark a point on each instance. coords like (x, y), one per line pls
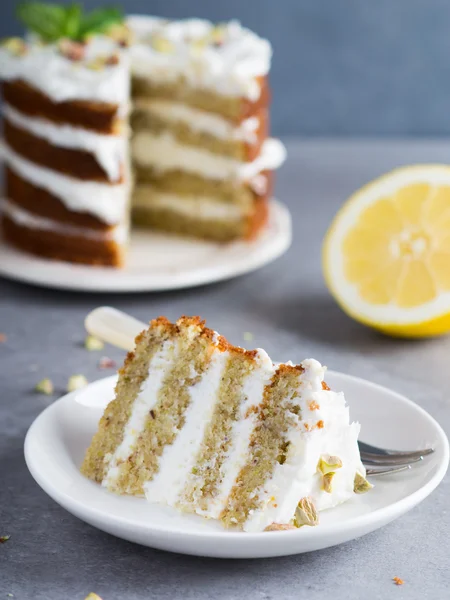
(57, 440)
(158, 261)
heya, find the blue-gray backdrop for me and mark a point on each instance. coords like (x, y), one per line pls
(341, 67)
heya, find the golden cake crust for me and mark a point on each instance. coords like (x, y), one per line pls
(38, 201)
(72, 162)
(98, 116)
(50, 244)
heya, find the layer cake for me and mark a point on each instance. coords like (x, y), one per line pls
(195, 98)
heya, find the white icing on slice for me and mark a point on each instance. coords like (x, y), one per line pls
(179, 458)
(298, 476)
(160, 365)
(107, 202)
(110, 151)
(241, 432)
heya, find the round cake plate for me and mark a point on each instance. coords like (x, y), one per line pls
(57, 440)
(157, 262)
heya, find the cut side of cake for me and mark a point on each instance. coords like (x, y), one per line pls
(210, 428)
(67, 181)
(200, 146)
(195, 97)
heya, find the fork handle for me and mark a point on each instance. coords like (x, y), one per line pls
(114, 327)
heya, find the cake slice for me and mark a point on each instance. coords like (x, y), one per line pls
(213, 429)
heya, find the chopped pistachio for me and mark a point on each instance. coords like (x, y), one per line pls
(198, 45)
(93, 343)
(248, 336)
(121, 34)
(45, 386)
(361, 485)
(279, 527)
(15, 45)
(218, 35)
(76, 382)
(161, 44)
(112, 60)
(328, 464)
(306, 513)
(96, 64)
(4, 538)
(71, 50)
(327, 482)
(93, 596)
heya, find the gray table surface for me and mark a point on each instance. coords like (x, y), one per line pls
(53, 556)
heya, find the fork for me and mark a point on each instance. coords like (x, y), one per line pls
(119, 329)
(381, 461)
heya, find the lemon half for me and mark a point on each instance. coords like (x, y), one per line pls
(386, 255)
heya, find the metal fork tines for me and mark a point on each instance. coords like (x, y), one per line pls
(381, 461)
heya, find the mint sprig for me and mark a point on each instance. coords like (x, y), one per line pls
(53, 22)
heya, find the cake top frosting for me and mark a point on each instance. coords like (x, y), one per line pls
(97, 70)
(226, 57)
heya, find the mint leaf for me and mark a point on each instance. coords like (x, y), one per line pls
(47, 20)
(99, 20)
(72, 21)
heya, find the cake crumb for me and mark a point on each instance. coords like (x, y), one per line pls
(93, 596)
(92, 343)
(4, 538)
(76, 382)
(398, 581)
(3, 338)
(45, 386)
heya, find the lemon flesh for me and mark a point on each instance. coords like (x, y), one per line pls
(386, 256)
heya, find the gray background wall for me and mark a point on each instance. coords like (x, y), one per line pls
(341, 67)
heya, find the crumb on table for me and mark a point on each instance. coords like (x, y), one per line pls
(398, 581)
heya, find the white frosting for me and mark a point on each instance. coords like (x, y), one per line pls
(202, 207)
(241, 432)
(61, 79)
(110, 151)
(107, 202)
(160, 364)
(298, 476)
(229, 69)
(201, 121)
(179, 458)
(26, 219)
(164, 153)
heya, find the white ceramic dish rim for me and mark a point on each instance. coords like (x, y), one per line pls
(358, 523)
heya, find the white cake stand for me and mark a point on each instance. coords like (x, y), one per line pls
(157, 262)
